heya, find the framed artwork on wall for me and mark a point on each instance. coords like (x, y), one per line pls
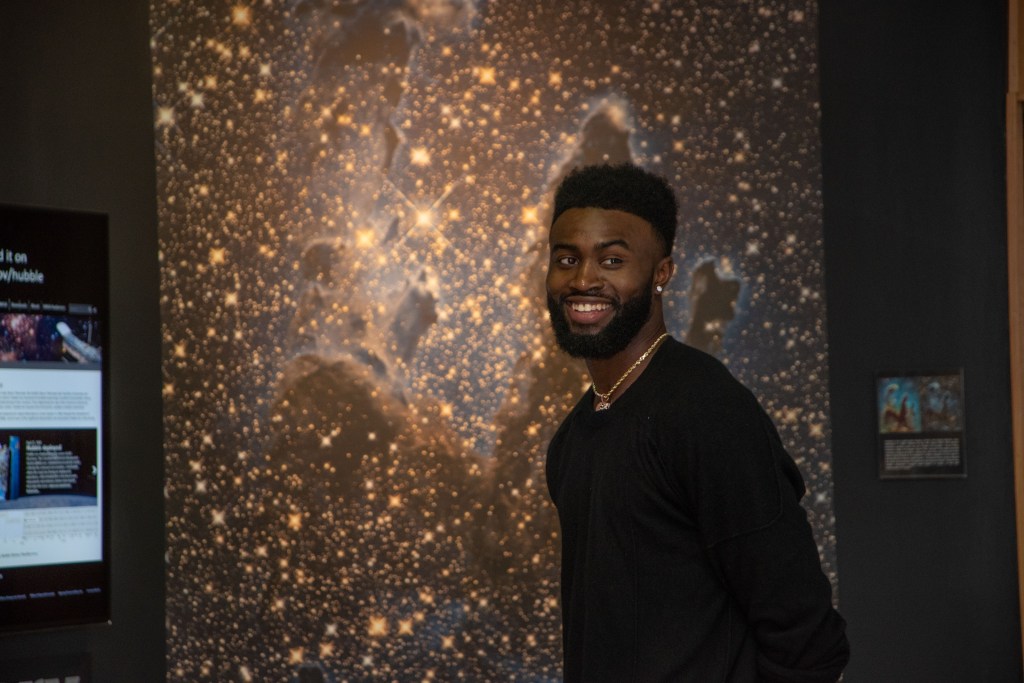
(920, 425)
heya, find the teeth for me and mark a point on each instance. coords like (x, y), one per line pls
(588, 308)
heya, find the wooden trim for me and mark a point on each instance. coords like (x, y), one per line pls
(1015, 252)
(1014, 214)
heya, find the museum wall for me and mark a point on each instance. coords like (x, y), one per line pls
(914, 195)
(915, 267)
(76, 131)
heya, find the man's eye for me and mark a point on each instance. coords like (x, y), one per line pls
(612, 261)
(566, 260)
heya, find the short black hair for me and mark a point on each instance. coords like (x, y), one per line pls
(623, 187)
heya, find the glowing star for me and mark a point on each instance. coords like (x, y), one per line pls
(295, 521)
(326, 650)
(394, 501)
(530, 214)
(425, 218)
(296, 655)
(555, 79)
(420, 156)
(241, 15)
(405, 627)
(364, 239)
(447, 642)
(217, 256)
(485, 76)
(378, 627)
(218, 517)
(165, 117)
(231, 299)
(197, 100)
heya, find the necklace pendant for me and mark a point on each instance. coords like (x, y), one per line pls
(603, 405)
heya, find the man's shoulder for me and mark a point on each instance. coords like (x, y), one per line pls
(692, 373)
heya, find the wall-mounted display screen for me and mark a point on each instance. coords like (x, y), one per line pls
(54, 359)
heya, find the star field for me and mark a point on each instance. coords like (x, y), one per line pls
(359, 379)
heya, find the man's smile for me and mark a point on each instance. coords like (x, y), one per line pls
(587, 312)
(587, 308)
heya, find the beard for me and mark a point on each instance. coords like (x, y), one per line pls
(627, 322)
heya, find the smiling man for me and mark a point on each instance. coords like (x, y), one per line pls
(686, 555)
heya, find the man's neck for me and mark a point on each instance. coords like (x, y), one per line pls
(605, 372)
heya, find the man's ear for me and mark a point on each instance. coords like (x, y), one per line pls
(664, 271)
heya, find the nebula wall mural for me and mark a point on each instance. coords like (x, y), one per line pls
(359, 380)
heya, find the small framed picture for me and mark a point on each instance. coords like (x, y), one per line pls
(920, 425)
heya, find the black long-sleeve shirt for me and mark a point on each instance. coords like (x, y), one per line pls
(686, 555)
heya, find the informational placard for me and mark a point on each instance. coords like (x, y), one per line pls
(53, 387)
(920, 425)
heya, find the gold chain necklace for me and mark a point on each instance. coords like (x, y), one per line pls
(606, 398)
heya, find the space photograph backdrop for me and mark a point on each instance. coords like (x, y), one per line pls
(359, 379)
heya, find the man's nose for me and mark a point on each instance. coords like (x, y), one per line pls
(587, 276)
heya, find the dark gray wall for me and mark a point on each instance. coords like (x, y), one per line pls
(912, 131)
(76, 132)
(915, 222)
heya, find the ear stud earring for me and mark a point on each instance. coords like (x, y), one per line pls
(659, 289)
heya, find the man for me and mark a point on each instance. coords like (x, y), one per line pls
(686, 555)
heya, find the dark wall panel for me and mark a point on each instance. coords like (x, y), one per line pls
(76, 132)
(914, 196)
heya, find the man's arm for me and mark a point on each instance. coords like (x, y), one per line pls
(764, 550)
